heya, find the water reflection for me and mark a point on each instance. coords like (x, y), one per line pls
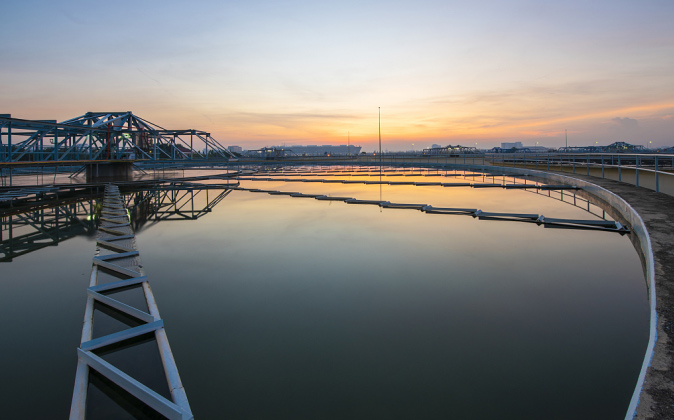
(172, 202)
(32, 228)
(295, 309)
(517, 182)
(309, 310)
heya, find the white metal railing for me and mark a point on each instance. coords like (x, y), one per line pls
(656, 167)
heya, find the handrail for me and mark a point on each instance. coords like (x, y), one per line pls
(647, 163)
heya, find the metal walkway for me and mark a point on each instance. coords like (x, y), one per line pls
(117, 259)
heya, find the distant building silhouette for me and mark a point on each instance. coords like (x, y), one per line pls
(514, 145)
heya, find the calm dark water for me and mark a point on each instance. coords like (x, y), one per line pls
(280, 307)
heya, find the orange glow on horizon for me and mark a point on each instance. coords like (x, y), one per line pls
(409, 129)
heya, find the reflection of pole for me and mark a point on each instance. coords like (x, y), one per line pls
(380, 183)
(380, 168)
(379, 136)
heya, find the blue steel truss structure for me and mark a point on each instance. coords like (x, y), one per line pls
(102, 136)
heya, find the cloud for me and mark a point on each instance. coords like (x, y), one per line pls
(626, 123)
(288, 119)
(626, 129)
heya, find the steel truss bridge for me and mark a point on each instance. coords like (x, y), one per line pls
(102, 136)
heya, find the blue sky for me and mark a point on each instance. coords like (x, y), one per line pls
(262, 73)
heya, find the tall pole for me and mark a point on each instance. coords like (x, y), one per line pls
(379, 136)
(567, 138)
(348, 142)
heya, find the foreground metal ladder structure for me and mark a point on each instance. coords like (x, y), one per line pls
(116, 255)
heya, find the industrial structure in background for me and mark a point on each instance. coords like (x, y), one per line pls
(448, 150)
(513, 145)
(325, 150)
(297, 150)
(617, 147)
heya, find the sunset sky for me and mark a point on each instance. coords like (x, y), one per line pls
(263, 73)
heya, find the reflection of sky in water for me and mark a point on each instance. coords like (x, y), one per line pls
(280, 307)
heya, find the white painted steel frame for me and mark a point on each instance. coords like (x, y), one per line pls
(122, 241)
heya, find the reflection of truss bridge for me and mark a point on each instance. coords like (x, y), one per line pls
(172, 202)
(33, 230)
(102, 136)
(28, 230)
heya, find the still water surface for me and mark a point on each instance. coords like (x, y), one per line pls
(281, 307)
